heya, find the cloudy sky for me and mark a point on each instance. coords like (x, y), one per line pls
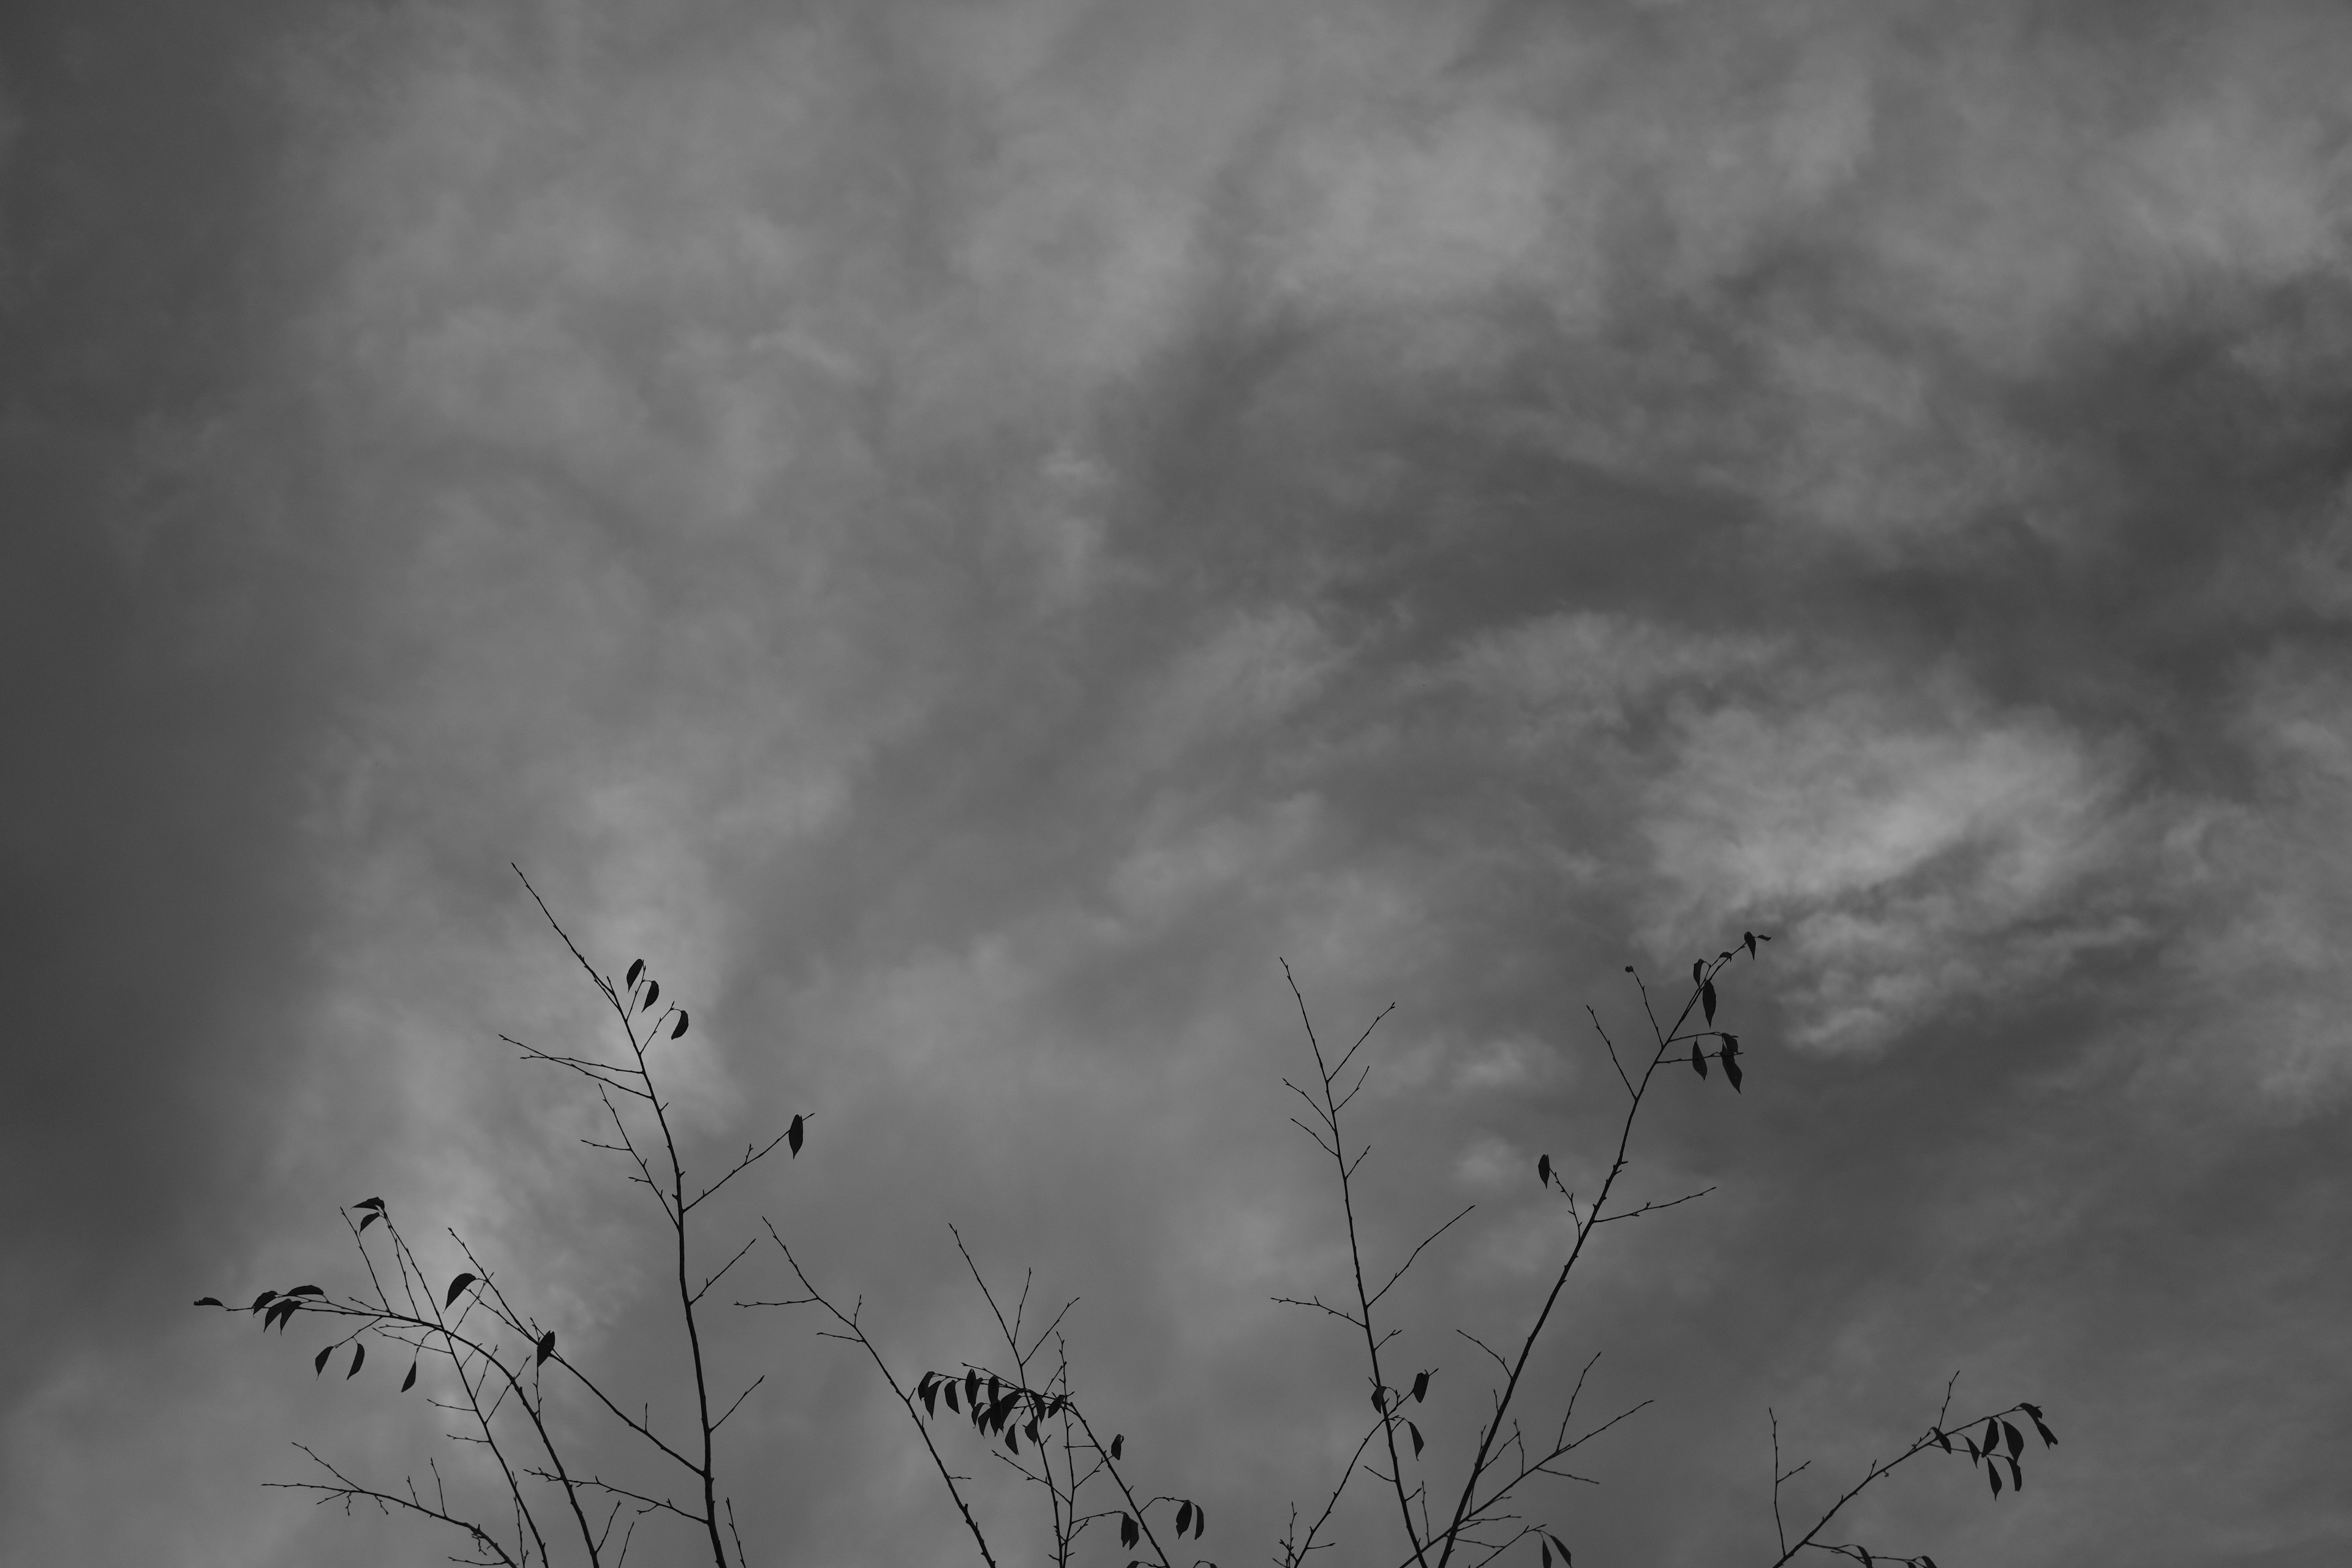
(964, 532)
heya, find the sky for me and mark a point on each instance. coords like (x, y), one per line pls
(968, 532)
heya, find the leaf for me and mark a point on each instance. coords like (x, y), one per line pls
(1990, 1441)
(1556, 1540)
(2049, 1438)
(1118, 1442)
(1012, 1441)
(1128, 1532)
(275, 1316)
(792, 1135)
(653, 989)
(679, 1027)
(1543, 1169)
(319, 1363)
(1547, 1553)
(1707, 1000)
(376, 1204)
(306, 1291)
(634, 970)
(972, 1389)
(1698, 1059)
(371, 1219)
(1183, 1517)
(209, 1302)
(2016, 1443)
(359, 1354)
(455, 1285)
(2016, 1476)
(1199, 1521)
(1750, 938)
(410, 1380)
(951, 1394)
(1992, 1474)
(1943, 1442)
(1731, 1071)
(2030, 1409)
(1032, 1429)
(262, 1300)
(1698, 971)
(1971, 1442)
(1416, 1438)
(546, 1347)
(1420, 1386)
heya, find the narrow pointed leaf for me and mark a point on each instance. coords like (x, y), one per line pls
(1543, 1170)
(410, 1380)
(1707, 1000)
(1408, 1427)
(1183, 1518)
(369, 1203)
(1750, 938)
(455, 1286)
(653, 991)
(1731, 1071)
(262, 1300)
(1971, 1442)
(1698, 1059)
(1556, 1540)
(634, 970)
(1012, 1440)
(318, 1363)
(1992, 1474)
(359, 1354)
(1943, 1442)
(2032, 1410)
(792, 1135)
(1990, 1441)
(1698, 971)
(972, 1389)
(679, 1027)
(2049, 1438)
(306, 1291)
(2010, 1435)
(1547, 1553)
(1199, 1521)
(2016, 1476)
(208, 1301)
(546, 1347)
(1420, 1386)
(374, 1215)
(951, 1394)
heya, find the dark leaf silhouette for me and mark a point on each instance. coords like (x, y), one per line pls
(1543, 1169)
(679, 1027)
(1408, 1427)
(2030, 1409)
(1992, 1474)
(369, 1203)
(208, 1301)
(1379, 1397)
(1546, 1550)
(1698, 1059)
(1032, 1429)
(1183, 1517)
(951, 1394)
(2049, 1438)
(1925, 1561)
(972, 1389)
(1199, 1521)
(1698, 970)
(1117, 1442)
(410, 1380)
(1562, 1545)
(371, 1218)
(359, 1354)
(1420, 1386)
(929, 1393)
(1130, 1532)
(1750, 938)
(1012, 1441)
(2016, 1443)
(1707, 1000)
(792, 1135)
(1971, 1442)
(1731, 1071)
(286, 1308)
(1990, 1441)
(634, 970)
(1942, 1441)
(455, 1285)
(306, 1291)
(2016, 1476)
(262, 1300)
(653, 990)
(318, 1363)
(546, 1347)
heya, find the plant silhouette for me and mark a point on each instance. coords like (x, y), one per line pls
(495, 1361)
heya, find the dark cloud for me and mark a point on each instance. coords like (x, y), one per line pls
(962, 533)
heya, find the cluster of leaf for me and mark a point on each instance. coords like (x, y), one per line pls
(2002, 1444)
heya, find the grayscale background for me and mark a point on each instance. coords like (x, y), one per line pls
(965, 532)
